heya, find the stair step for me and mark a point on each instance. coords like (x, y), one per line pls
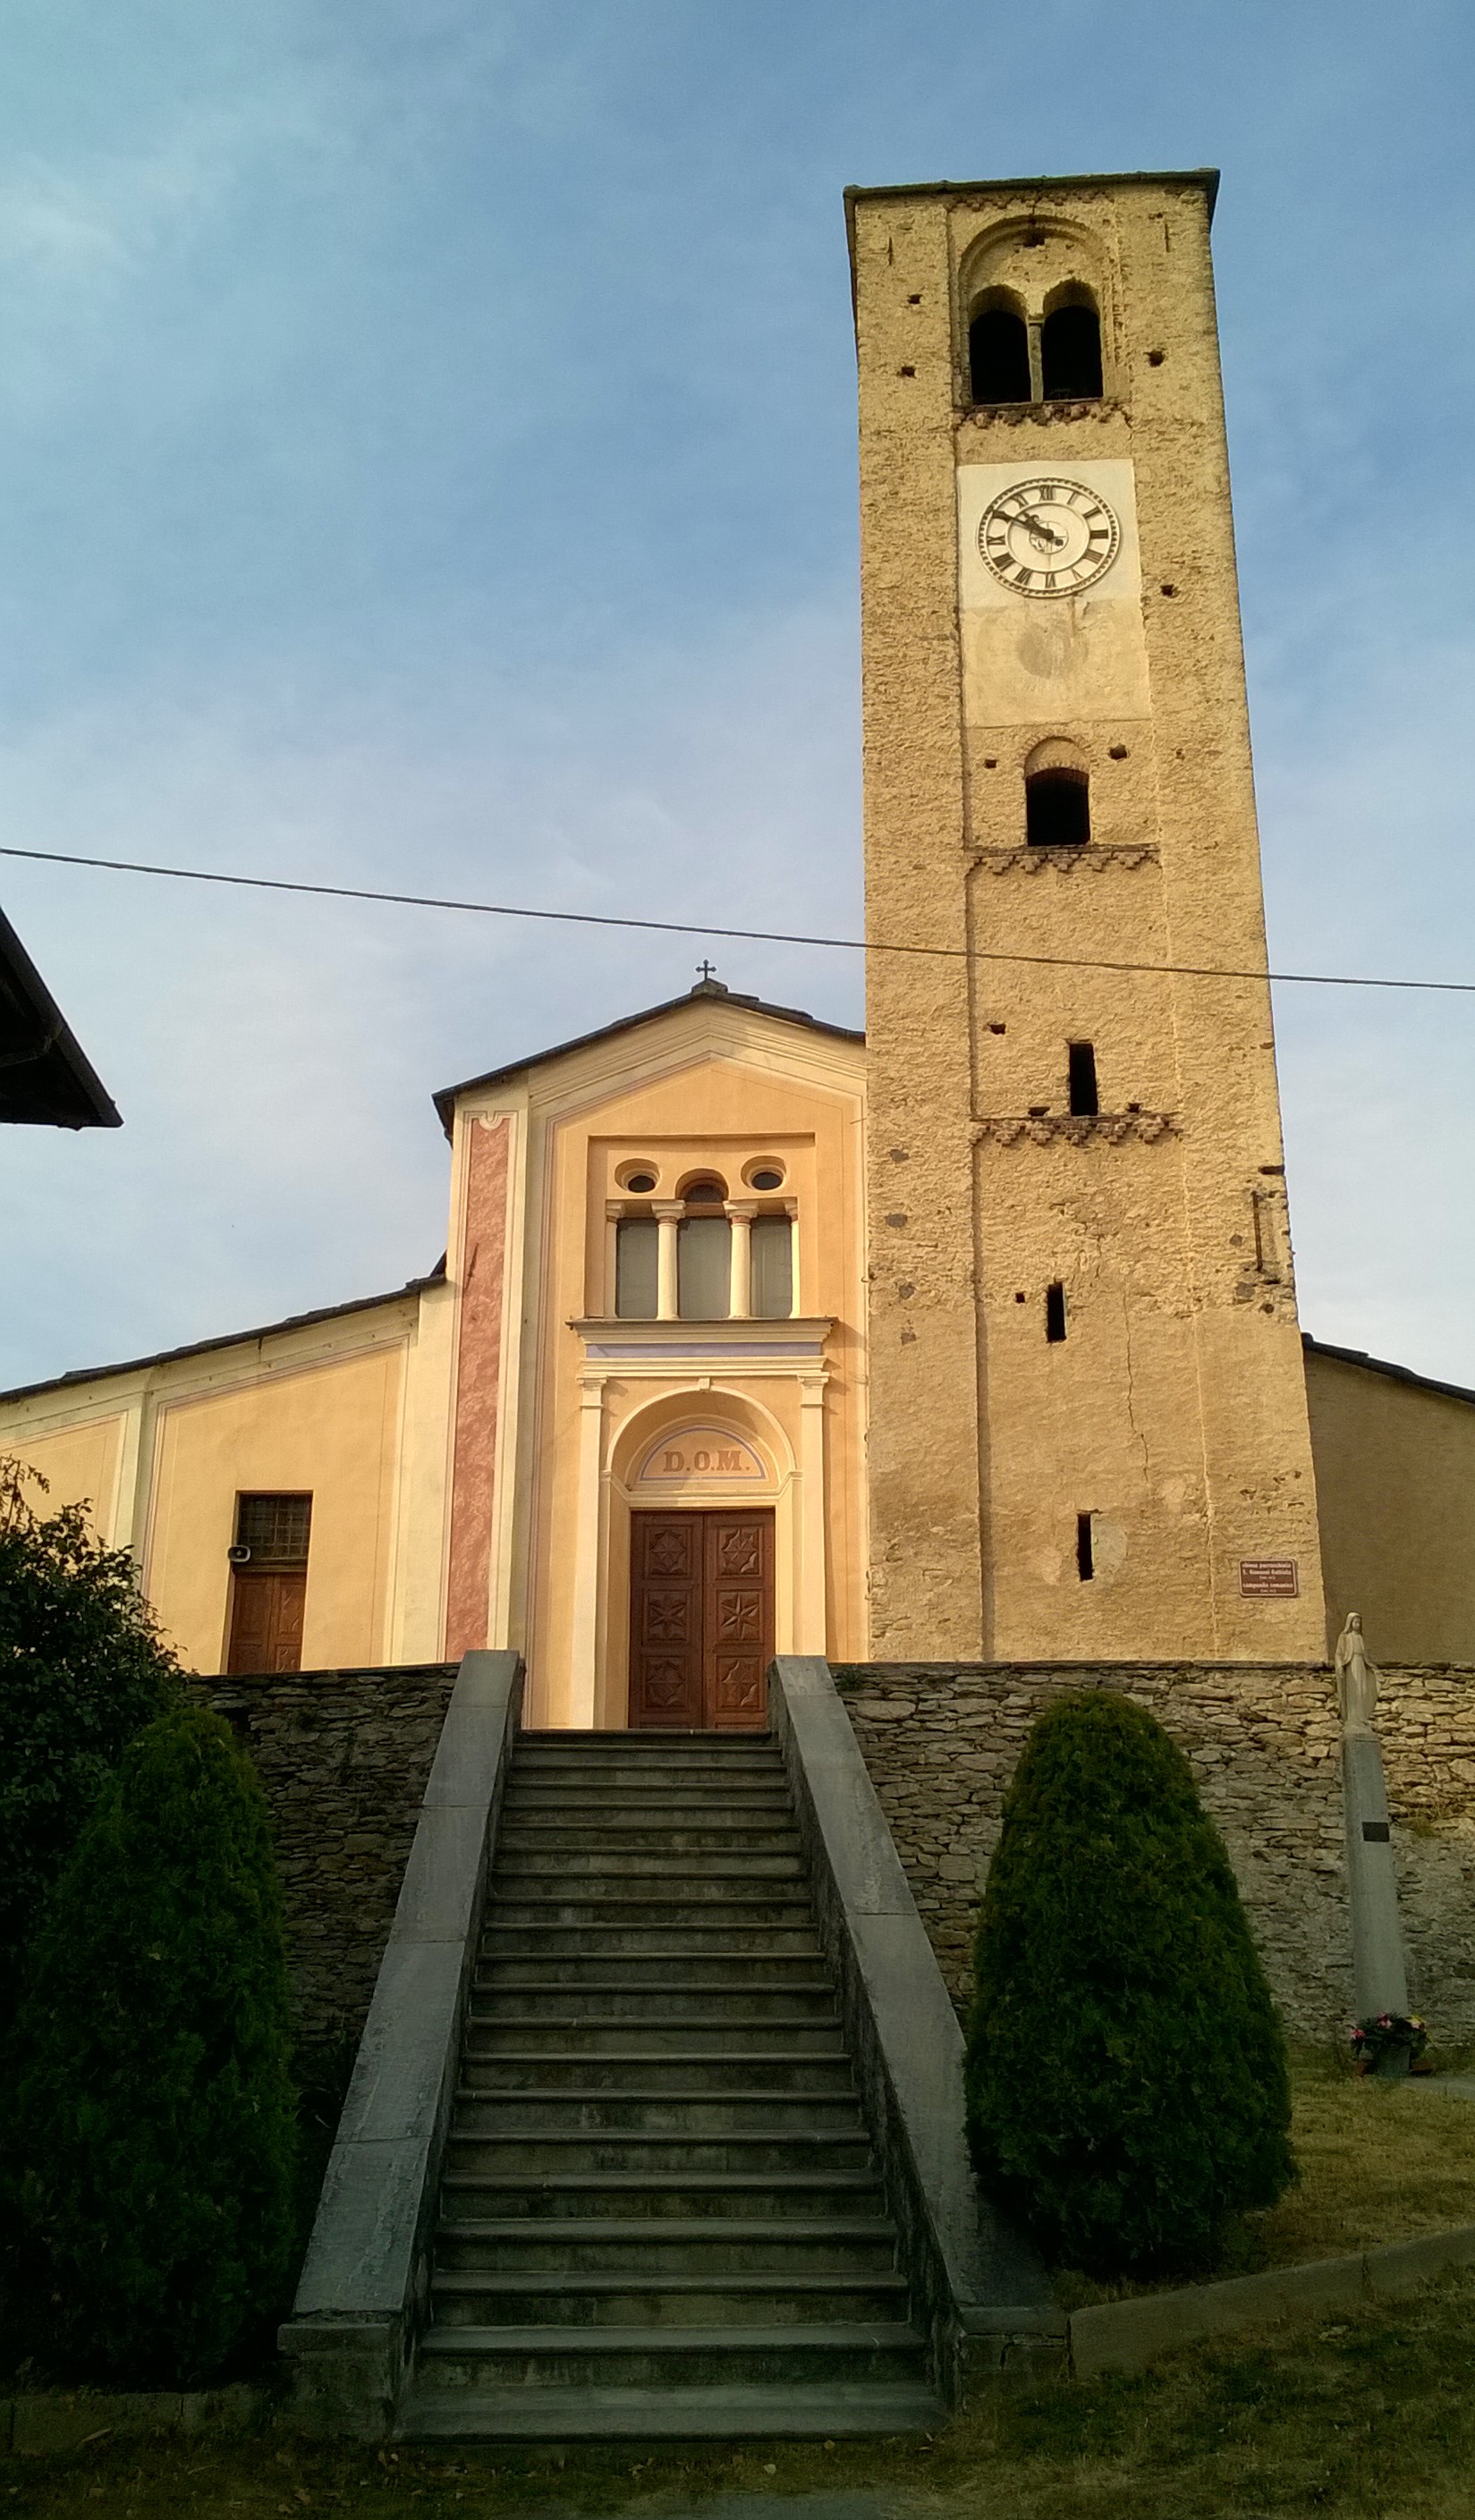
(621, 1967)
(501, 1941)
(644, 1737)
(654, 2195)
(601, 1795)
(707, 1910)
(542, 2357)
(673, 2154)
(678, 2112)
(823, 2411)
(625, 2001)
(623, 2301)
(615, 1862)
(518, 1839)
(696, 2071)
(633, 2033)
(671, 2245)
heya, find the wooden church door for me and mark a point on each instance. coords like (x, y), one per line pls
(701, 1619)
(269, 1583)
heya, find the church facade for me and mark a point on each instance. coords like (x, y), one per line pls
(972, 1341)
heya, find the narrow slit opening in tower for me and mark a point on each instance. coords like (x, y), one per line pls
(1054, 1313)
(998, 356)
(1085, 1557)
(1070, 354)
(1085, 1100)
(1057, 809)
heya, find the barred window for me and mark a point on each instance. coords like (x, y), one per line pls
(274, 1528)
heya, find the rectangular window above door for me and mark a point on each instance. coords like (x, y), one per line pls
(704, 1269)
(772, 1267)
(636, 1264)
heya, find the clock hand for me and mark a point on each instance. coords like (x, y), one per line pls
(1042, 536)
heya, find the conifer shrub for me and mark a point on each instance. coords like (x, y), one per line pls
(1126, 2077)
(155, 2117)
(83, 1668)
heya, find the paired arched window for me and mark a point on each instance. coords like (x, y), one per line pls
(1062, 363)
(1057, 796)
(998, 354)
(1070, 354)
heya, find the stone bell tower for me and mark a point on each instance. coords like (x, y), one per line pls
(1088, 1420)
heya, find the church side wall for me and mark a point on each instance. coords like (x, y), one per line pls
(941, 1741)
(1396, 1487)
(342, 1757)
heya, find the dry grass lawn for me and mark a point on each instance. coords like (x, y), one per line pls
(1379, 2161)
(1368, 2415)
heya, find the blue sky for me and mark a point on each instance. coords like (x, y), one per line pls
(426, 460)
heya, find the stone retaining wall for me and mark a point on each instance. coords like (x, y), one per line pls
(343, 1756)
(940, 1741)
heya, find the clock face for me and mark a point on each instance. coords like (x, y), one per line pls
(1048, 537)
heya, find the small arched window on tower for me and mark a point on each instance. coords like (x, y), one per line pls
(1070, 347)
(1057, 796)
(998, 352)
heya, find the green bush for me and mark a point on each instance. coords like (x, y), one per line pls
(155, 2112)
(81, 1668)
(1127, 2076)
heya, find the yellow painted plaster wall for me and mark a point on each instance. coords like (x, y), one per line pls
(351, 1406)
(334, 1430)
(80, 1465)
(1395, 1485)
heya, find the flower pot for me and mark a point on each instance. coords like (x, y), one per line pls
(1393, 2061)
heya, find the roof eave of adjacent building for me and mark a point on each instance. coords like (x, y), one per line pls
(68, 1091)
(232, 1338)
(1380, 1365)
(706, 993)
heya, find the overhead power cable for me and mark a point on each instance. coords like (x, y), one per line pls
(738, 935)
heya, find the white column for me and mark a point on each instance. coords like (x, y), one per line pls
(584, 1651)
(795, 1306)
(740, 1214)
(809, 1604)
(667, 1213)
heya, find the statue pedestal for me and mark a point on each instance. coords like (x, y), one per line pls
(1380, 1979)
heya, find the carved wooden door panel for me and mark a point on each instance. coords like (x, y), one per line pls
(738, 1620)
(666, 1619)
(701, 1619)
(266, 1620)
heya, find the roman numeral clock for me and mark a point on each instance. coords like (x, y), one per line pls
(1048, 537)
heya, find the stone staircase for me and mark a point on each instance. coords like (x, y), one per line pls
(660, 2214)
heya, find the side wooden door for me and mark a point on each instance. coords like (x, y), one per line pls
(266, 1619)
(666, 1619)
(737, 1628)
